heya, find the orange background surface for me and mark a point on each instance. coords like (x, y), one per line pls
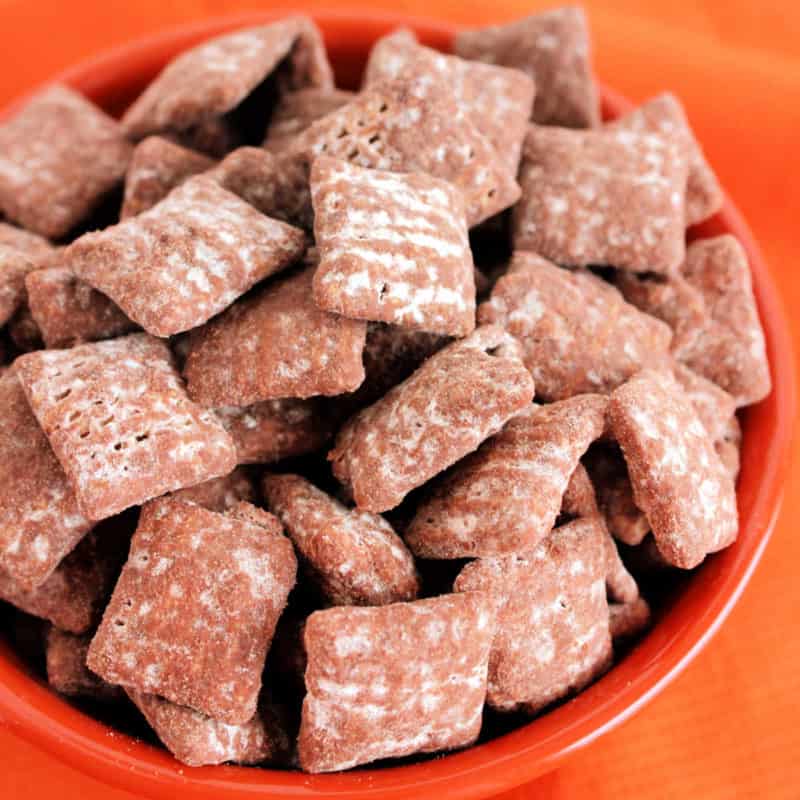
(729, 727)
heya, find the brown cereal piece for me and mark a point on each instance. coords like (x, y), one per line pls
(714, 405)
(35, 247)
(620, 584)
(677, 477)
(173, 267)
(14, 266)
(220, 494)
(295, 111)
(552, 627)
(580, 499)
(602, 197)
(409, 125)
(59, 156)
(498, 100)
(729, 447)
(119, 421)
(39, 517)
(553, 48)
(24, 331)
(356, 556)
(197, 740)
(628, 620)
(216, 76)
(664, 115)
(274, 344)
(577, 333)
(214, 137)
(505, 497)
(456, 399)
(67, 672)
(68, 311)
(392, 248)
(194, 610)
(394, 680)
(276, 429)
(157, 167)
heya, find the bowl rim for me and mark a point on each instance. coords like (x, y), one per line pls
(32, 711)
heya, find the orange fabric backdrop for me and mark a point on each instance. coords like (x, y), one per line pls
(728, 726)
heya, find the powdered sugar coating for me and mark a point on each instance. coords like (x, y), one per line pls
(295, 111)
(275, 344)
(553, 48)
(392, 248)
(67, 672)
(714, 406)
(220, 494)
(394, 680)
(577, 333)
(35, 247)
(579, 499)
(677, 477)
(119, 421)
(460, 396)
(602, 197)
(505, 497)
(356, 556)
(186, 259)
(499, 101)
(194, 610)
(58, 157)
(214, 77)
(552, 634)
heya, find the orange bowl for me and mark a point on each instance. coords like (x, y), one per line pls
(681, 629)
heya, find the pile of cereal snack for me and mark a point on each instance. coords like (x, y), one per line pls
(337, 426)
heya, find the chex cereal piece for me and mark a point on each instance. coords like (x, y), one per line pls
(67, 672)
(58, 157)
(69, 311)
(552, 634)
(186, 259)
(394, 680)
(456, 399)
(728, 447)
(194, 610)
(602, 197)
(295, 111)
(119, 421)
(411, 125)
(553, 48)
(24, 331)
(628, 620)
(14, 266)
(577, 333)
(220, 494)
(196, 740)
(356, 556)
(39, 518)
(498, 100)
(276, 343)
(157, 167)
(392, 248)
(677, 477)
(214, 137)
(505, 497)
(579, 499)
(664, 115)
(714, 406)
(35, 247)
(276, 429)
(620, 584)
(214, 77)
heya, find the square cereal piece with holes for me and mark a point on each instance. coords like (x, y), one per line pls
(356, 557)
(677, 477)
(276, 343)
(602, 197)
(214, 77)
(505, 497)
(186, 259)
(456, 399)
(295, 111)
(392, 248)
(394, 680)
(39, 517)
(59, 156)
(553, 48)
(664, 115)
(69, 311)
(157, 167)
(714, 406)
(194, 610)
(552, 625)
(197, 740)
(67, 672)
(409, 125)
(119, 421)
(498, 100)
(577, 333)
(220, 494)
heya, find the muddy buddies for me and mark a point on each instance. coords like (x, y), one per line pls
(342, 424)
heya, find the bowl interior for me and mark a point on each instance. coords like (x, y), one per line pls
(686, 622)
